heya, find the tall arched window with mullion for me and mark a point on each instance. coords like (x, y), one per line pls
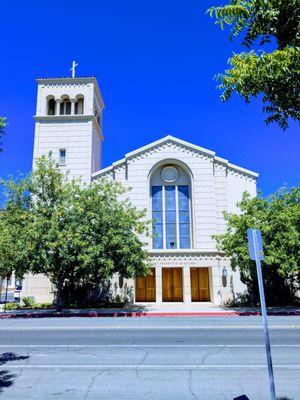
(171, 209)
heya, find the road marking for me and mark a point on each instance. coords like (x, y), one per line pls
(118, 327)
(67, 346)
(149, 366)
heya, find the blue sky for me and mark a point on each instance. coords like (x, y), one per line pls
(155, 62)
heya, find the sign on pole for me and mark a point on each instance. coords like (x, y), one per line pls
(254, 237)
(256, 253)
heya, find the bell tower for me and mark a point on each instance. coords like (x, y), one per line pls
(68, 123)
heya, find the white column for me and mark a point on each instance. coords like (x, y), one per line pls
(158, 283)
(186, 285)
(58, 107)
(73, 101)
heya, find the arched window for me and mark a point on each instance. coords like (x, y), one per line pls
(51, 109)
(79, 106)
(65, 107)
(171, 208)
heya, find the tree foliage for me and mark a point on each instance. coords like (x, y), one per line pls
(2, 126)
(79, 233)
(274, 75)
(14, 220)
(278, 217)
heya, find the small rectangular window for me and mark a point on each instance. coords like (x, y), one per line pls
(62, 156)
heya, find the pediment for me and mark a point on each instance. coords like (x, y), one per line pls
(171, 144)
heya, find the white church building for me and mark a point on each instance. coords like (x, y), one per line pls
(184, 188)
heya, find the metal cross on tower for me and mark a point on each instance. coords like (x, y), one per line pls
(74, 65)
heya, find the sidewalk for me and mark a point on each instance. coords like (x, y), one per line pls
(153, 310)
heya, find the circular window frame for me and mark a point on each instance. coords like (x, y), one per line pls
(169, 167)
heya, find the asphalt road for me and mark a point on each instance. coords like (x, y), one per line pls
(147, 358)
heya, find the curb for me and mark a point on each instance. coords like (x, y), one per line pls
(134, 314)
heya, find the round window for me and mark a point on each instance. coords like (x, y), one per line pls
(169, 174)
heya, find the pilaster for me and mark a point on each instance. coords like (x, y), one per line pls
(186, 285)
(158, 280)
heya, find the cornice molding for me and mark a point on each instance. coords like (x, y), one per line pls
(185, 252)
(169, 145)
(187, 258)
(70, 118)
(66, 80)
(73, 82)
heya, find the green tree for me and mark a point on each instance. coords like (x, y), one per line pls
(274, 75)
(278, 217)
(2, 126)
(81, 232)
(14, 219)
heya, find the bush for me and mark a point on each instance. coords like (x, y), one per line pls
(242, 300)
(278, 219)
(12, 306)
(41, 306)
(28, 302)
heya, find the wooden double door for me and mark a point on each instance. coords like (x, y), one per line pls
(172, 284)
(200, 284)
(145, 287)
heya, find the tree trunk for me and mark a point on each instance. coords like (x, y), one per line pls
(59, 288)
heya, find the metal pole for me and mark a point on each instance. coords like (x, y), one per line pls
(264, 317)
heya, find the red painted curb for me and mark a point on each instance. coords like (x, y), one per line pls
(95, 314)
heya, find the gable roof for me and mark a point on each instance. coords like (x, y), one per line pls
(173, 139)
(184, 143)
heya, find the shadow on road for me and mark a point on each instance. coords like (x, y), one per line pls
(6, 378)
(284, 398)
(244, 397)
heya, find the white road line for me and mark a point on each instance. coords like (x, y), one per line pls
(154, 366)
(128, 346)
(119, 327)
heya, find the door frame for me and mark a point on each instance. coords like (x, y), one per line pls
(182, 285)
(208, 286)
(145, 287)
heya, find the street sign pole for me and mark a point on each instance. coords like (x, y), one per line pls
(256, 242)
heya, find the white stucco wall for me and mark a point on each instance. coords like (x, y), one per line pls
(96, 151)
(79, 134)
(215, 185)
(238, 183)
(75, 137)
(39, 287)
